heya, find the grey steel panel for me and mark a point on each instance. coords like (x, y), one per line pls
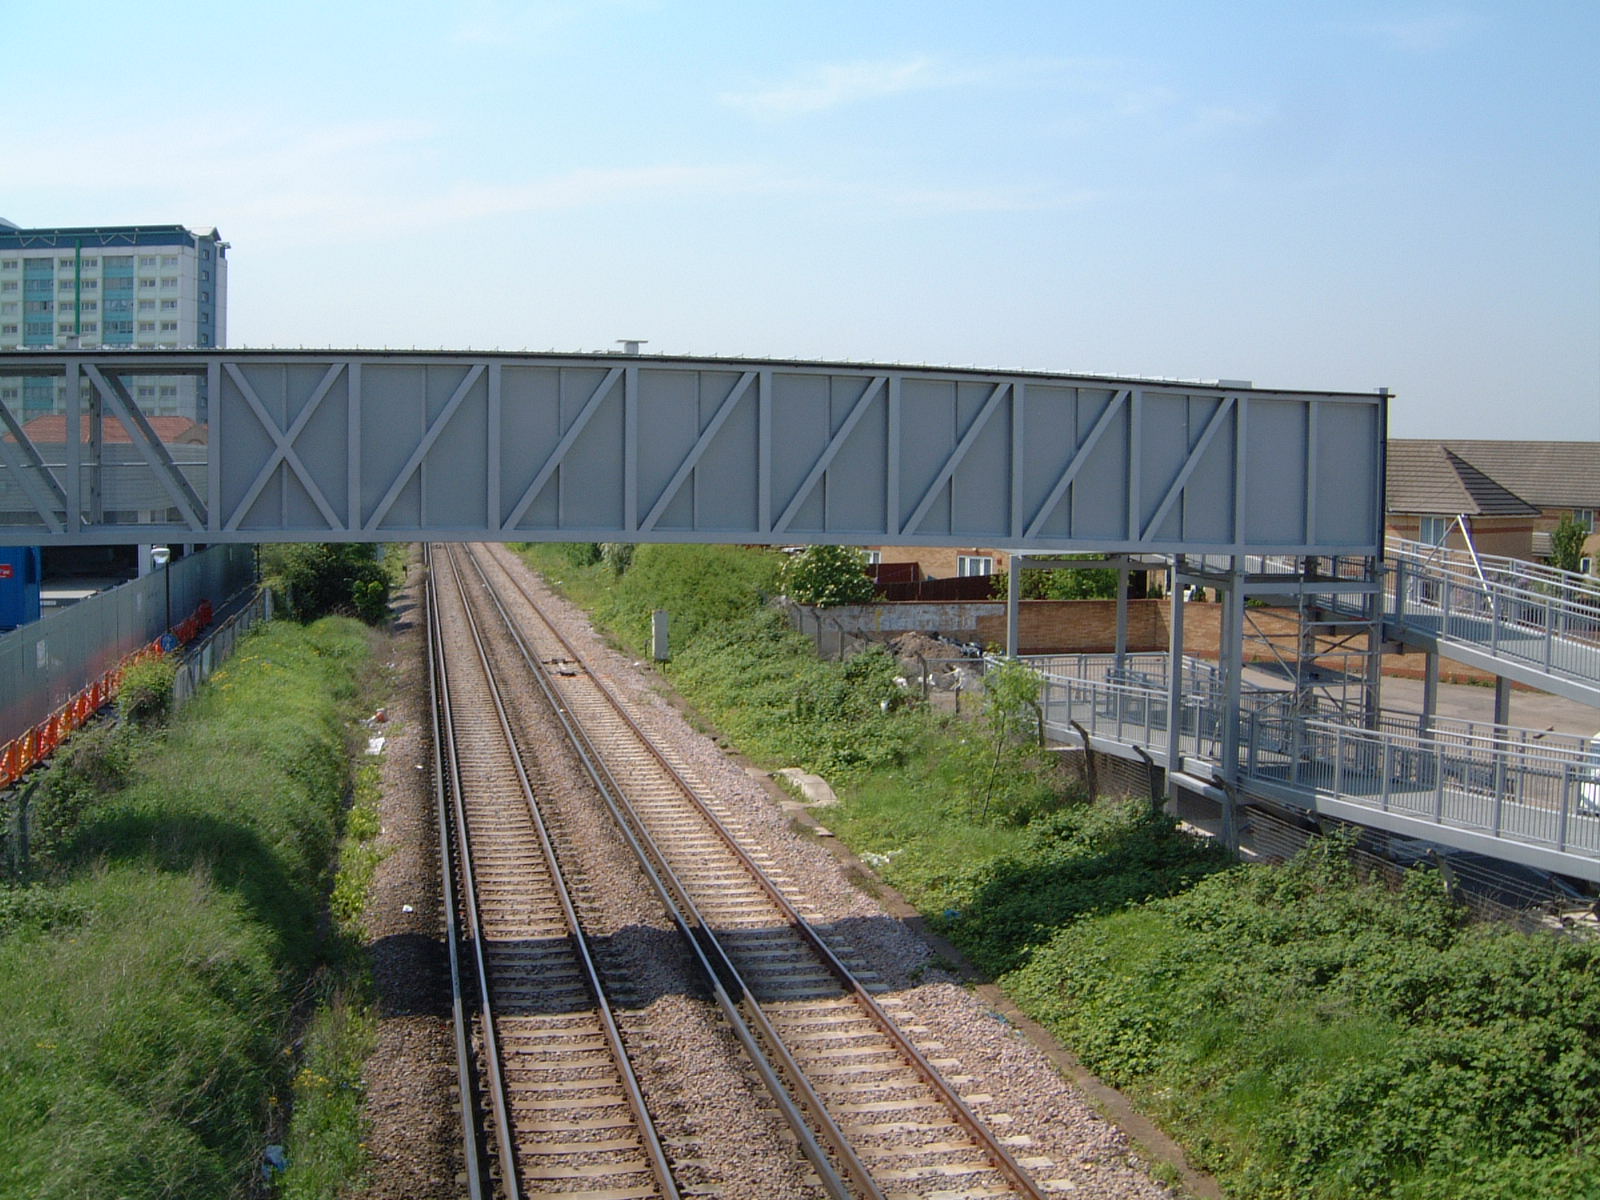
(364, 446)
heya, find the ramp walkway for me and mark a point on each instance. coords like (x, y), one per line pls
(1529, 623)
(1522, 795)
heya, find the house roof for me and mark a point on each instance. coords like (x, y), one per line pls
(52, 431)
(1491, 478)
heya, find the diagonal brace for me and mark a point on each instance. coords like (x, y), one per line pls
(1080, 458)
(284, 442)
(1189, 464)
(554, 460)
(697, 450)
(947, 471)
(435, 428)
(115, 393)
(835, 444)
(23, 458)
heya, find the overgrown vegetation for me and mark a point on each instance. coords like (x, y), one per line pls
(1065, 583)
(326, 1145)
(1306, 1032)
(319, 579)
(146, 694)
(150, 969)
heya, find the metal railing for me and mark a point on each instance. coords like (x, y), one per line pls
(1542, 618)
(1518, 784)
(1538, 796)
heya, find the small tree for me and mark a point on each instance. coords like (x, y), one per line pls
(1566, 544)
(323, 578)
(827, 576)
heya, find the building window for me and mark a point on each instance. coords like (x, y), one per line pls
(1586, 566)
(65, 284)
(91, 285)
(119, 262)
(64, 327)
(169, 327)
(38, 306)
(1432, 531)
(90, 305)
(205, 297)
(90, 264)
(9, 331)
(89, 327)
(36, 328)
(147, 283)
(147, 306)
(1584, 517)
(66, 263)
(874, 557)
(9, 307)
(10, 285)
(169, 306)
(8, 264)
(169, 260)
(205, 339)
(169, 281)
(114, 328)
(974, 564)
(146, 391)
(147, 326)
(147, 260)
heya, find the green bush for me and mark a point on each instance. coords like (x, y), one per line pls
(1312, 1034)
(145, 697)
(319, 579)
(827, 576)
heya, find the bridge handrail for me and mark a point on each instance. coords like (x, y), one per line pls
(1499, 564)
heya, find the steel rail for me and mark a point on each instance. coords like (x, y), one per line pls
(651, 1142)
(440, 720)
(749, 1024)
(999, 1157)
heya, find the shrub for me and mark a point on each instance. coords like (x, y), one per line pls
(827, 576)
(146, 694)
(320, 579)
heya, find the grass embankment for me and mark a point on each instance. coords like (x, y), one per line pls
(150, 973)
(1304, 1032)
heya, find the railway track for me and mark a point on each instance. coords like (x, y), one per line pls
(558, 1109)
(869, 1109)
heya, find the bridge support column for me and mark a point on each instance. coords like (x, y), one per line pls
(1430, 688)
(1122, 617)
(1013, 604)
(1175, 682)
(1230, 654)
(1502, 700)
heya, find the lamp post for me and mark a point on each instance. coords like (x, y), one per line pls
(161, 555)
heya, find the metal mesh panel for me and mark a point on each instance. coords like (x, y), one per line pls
(43, 665)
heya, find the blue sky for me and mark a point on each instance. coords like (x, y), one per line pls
(1332, 196)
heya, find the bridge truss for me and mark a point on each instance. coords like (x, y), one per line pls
(364, 446)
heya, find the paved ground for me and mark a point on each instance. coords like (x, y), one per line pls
(1530, 710)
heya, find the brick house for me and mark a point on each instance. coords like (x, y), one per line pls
(1506, 496)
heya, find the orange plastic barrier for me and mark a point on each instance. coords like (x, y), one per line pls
(32, 747)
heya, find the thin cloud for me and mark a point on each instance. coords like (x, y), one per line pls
(1423, 34)
(831, 85)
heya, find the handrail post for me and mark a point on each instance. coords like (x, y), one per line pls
(1566, 806)
(1338, 760)
(1385, 762)
(1438, 783)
